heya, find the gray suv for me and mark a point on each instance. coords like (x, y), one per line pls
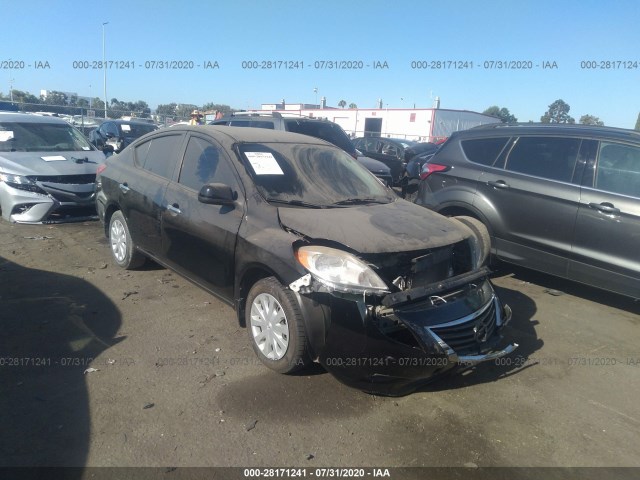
(562, 199)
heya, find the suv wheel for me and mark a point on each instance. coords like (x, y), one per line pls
(276, 327)
(122, 247)
(481, 233)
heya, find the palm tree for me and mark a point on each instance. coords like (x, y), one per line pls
(353, 105)
(342, 103)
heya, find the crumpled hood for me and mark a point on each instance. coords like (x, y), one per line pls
(32, 163)
(394, 227)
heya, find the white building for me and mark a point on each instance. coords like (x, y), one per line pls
(421, 124)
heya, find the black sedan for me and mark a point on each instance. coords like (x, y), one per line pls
(113, 135)
(320, 260)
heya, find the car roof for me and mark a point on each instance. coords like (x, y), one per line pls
(250, 135)
(30, 118)
(514, 129)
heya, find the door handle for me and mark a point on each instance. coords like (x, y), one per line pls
(605, 207)
(124, 187)
(499, 184)
(174, 208)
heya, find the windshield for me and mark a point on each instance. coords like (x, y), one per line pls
(311, 175)
(41, 137)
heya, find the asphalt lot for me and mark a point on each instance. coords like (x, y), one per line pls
(177, 384)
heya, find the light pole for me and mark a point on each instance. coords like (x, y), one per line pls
(104, 67)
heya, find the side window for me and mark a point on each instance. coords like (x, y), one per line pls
(205, 163)
(547, 157)
(484, 150)
(618, 169)
(159, 155)
(389, 149)
(110, 128)
(371, 144)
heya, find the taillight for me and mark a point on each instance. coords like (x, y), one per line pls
(101, 168)
(429, 168)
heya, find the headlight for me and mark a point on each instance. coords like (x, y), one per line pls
(339, 270)
(21, 183)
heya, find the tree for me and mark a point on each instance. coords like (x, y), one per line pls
(225, 109)
(638, 123)
(502, 113)
(591, 120)
(342, 103)
(353, 105)
(55, 98)
(558, 113)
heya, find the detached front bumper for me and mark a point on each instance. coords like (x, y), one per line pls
(411, 337)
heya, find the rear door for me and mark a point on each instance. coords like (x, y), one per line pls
(142, 188)
(607, 236)
(535, 201)
(199, 240)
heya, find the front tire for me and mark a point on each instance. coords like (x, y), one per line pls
(276, 327)
(123, 249)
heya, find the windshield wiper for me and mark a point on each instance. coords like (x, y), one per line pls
(360, 201)
(297, 203)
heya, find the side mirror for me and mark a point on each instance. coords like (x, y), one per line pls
(217, 194)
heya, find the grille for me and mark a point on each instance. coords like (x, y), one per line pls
(65, 179)
(468, 336)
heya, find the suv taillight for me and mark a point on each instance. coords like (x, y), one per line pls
(101, 168)
(429, 168)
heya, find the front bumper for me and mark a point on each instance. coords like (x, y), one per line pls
(58, 203)
(392, 345)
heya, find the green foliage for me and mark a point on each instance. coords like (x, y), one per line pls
(342, 103)
(502, 113)
(591, 120)
(637, 128)
(353, 105)
(558, 113)
(210, 106)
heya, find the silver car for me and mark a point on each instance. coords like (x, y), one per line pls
(47, 170)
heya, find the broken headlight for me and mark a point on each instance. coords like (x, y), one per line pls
(339, 270)
(21, 183)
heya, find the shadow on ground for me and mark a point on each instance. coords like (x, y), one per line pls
(53, 325)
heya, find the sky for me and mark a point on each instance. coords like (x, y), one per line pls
(590, 47)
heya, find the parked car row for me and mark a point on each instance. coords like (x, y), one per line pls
(321, 260)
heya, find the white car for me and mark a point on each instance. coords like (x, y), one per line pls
(47, 170)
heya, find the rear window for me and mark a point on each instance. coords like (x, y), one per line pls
(484, 150)
(329, 132)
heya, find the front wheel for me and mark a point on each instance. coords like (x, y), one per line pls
(122, 247)
(276, 327)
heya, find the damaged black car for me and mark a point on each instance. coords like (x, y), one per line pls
(321, 262)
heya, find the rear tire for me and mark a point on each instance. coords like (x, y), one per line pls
(123, 249)
(276, 327)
